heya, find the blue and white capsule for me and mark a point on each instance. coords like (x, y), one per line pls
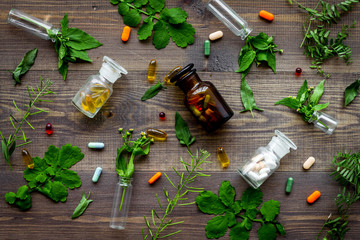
(96, 145)
(97, 174)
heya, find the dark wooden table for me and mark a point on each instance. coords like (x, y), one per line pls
(240, 136)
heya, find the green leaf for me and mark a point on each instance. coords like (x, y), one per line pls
(271, 60)
(320, 106)
(351, 92)
(114, 1)
(80, 40)
(318, 92)
(52, 156)
(26, 63)
(22, 192)
(132, 18)
(173, 15)
(182, 130)
(304, 89)
(10, 197)
(247, 97)
(267, 232)
(123, 8)
(238, 232)
(139, 3)
(236, 207)
(5, 152)
(270, 209)
(251, 213)
(146, 30)
(281, 229)
(247, 223)
(216, 227)
(58, 192)
(161, 35)
(69, 178)
(231, 218)
(246, 60)
(157, 5)
(153, 91)
(69, 155)
(227, 193)
(289, 102)
(251, 198)
(63, 69)
(208, 202)
(139, 151)
(64, 24)
(182, 34)
(260, 43)
(261, 56)
(81, 207)
(82, 55)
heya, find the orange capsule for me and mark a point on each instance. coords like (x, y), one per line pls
(126, 33)
(266, 15)
(155, 177)
(313, 197)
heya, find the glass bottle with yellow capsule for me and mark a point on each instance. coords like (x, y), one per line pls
(98, 88)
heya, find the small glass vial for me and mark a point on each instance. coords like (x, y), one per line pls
(202, 99)
(121, 203)
(98, 88)
(324, 122)
(266, 160)
(229, 17)
(32, 24)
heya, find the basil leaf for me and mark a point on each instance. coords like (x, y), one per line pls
(320, 106)
(271, 60)
(261, 56)
(182, 131)
(260, 43)
(318, 92)
(289, 102)
(153, 91)
(80, 40)
(246, 60)
(64, 24)
(351, 92)
(25, 65)
(84, 203)
(63, 69)
(247, 97)
(82, 55)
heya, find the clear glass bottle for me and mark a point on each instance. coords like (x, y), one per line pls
(266, 160)
(32, 24)
(202, 99)
(324, 122)
(98, 88)
(121, 203)
(229, 17)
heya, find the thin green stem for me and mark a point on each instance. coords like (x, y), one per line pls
(141, 11)
(122, 198)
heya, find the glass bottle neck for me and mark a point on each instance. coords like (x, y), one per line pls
(105, 80)
(125, 182)
(189, 82)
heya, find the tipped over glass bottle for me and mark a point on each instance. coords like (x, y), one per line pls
(324, 122)
(202, 99)
(266, 160)
(98, 88)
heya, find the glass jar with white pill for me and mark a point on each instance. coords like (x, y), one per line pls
(266, 160)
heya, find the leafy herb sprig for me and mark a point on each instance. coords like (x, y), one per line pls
(351, 92)
(25, 65)
(36, 95)
(153, 91)
(306, 101)
(182, 131)
(170, 22)
(50, 176)
(82, 206)
(246, 208)
(247, 98)
(126, 154)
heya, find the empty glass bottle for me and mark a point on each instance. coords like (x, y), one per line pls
(324, 122)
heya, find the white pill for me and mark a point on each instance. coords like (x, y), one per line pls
(248, 167)
(258, 158)
(264, 170)
(259, 166)
(97, 174)
(216, 35)
(253, 176)
(308, 163)
(263, 176)
(270, 163)
(96, 145)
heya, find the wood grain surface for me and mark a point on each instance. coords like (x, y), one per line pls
(241, 136)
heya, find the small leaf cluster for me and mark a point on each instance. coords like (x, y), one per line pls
(228, 209)
(82, 206)
(25, 65)
(171, 22)
(306, 101)
(50, 176)
(153, 91)
(182, 131)
(71, 45)
(351, 92)
(36, 95)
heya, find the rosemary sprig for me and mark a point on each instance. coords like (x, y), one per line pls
(192, 171)
(8, 144)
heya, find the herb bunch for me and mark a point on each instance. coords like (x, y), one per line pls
(306, 101)
(227, 209)
(36, 95)
(171, 22)
(71, 45)
(50, 176)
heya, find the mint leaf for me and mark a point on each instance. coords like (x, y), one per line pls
(289, 102)
(271, 60)
(26, 63)
(351, 92)
(267, 232)
(318, 92)
(238, 232)
(80, 40)
(153, 91)
(231, 219)
(81, 207)
(182, 131)
(145, 30)
(247, 98)
(157, 5)
(251, 198)
(69, 155)
(64, 24)
(182, 34)
(123, 8)
(173, 15)
(139, 3)
(270, 209)
(161, 36)
(132, 18)
(247, 223)
(216, 227)
(251, 213)
(227, 193)
(209, 203)
(69, 178)
(246, 60)
(236, 207)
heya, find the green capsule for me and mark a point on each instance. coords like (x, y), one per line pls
(207, 47)
(289, 184)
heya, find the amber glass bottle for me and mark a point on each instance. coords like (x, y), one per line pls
(202, 99)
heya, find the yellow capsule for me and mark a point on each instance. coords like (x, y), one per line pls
(222, 157)
(206, 100)
(171, 74)
(97, 88)
(83, 102)
(102, 98)
(29, 162)
(90, 103)
(156, 134)
(195, 111)
(202, 119)
(152, 70)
